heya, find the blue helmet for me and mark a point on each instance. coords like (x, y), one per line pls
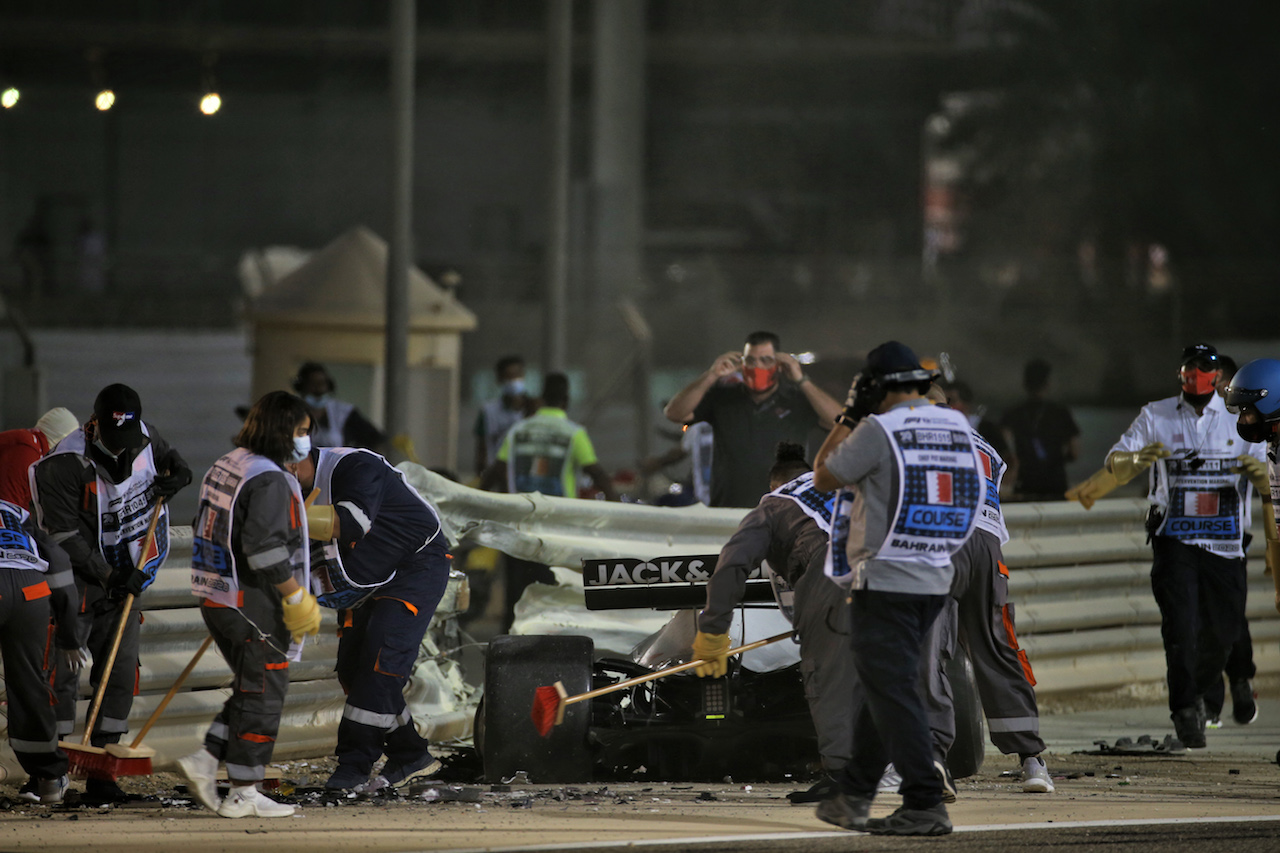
(1256, 387)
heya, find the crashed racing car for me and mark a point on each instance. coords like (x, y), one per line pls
(753, 724)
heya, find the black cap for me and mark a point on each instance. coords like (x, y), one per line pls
(119, 414)
(1206, 354)
(896, 363)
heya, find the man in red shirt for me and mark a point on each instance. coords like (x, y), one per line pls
(19, 448)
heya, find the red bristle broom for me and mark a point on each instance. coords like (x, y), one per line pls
(549, 701)
(114, 760)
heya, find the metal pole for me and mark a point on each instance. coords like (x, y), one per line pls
(403, 26)
(559, 102)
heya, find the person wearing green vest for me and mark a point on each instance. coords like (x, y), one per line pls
(545, 453)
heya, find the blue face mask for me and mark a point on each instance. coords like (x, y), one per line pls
(316, 401)
(301, 448)
(513, 388)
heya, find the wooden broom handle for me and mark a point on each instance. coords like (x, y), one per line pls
(115, 644)
(641, 679)
(173, 691)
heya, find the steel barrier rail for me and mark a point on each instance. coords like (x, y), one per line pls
(1079, 582)
(1079, 578)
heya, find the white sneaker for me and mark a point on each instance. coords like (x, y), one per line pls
(1035, 776)
(53, 790)
(889, 782)
(200, 769)
(248, 801)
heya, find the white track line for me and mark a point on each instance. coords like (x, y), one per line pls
(694, 841)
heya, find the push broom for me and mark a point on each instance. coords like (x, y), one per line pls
(550, 700)
(114, 760)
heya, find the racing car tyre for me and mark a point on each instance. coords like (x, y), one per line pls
(507, 740)
(966, 754)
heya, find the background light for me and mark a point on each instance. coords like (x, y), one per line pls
(9, 97)
(210, 103)
(105, 100)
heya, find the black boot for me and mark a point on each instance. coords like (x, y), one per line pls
(1188, 723)
(103, 792)
(824, 788)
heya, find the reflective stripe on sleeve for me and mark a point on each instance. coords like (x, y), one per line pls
(357, 514)
(268, 558)
(60, 579)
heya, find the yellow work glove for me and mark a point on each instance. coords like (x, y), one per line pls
(1256, 470)
(713, 649)
(1127, 464)
(1099, 485)
(301, 617)
(322, 522)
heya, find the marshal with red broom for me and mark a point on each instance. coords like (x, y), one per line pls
(550, 700)
(115, 759)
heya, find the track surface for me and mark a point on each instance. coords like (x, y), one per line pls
(1225, 799)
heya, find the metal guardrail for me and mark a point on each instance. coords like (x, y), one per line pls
(1079, 578)
(1081, 587)
(1079, 581)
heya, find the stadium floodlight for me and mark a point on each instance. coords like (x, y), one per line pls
(9, 97)
(210, 103)
(105, 100)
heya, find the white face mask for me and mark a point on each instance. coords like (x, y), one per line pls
(301, 448)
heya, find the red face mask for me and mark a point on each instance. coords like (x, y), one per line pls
(1197, 382)
(760, 378)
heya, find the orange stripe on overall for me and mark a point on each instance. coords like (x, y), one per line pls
(1012, 636)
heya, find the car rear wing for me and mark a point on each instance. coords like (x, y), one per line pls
(662, 583)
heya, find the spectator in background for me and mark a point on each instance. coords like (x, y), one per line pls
(548, 453)
(752, 400)
(698, 442)
(33, 250)
(695, 443)
(21, 448)
(91, 247)
(1043, 437)
(334, 423)
(960, 397)
(502, 412)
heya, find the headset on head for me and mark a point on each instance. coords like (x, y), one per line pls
(872, 389)
(307, 369)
